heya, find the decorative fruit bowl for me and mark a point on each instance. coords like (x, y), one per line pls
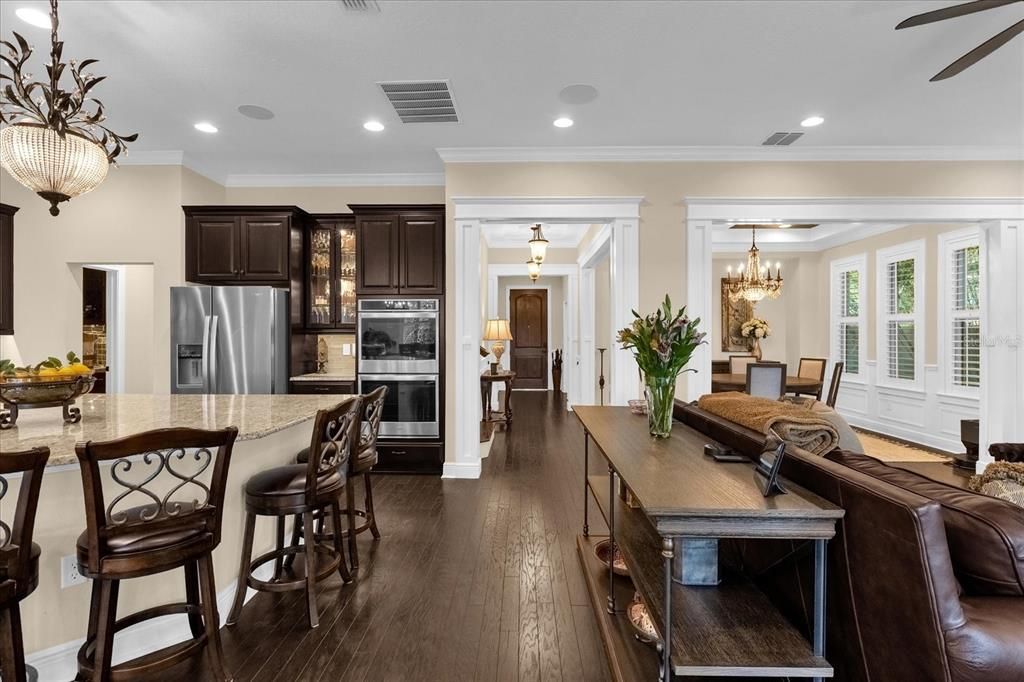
(640, 619)
(618, 564)
(47, 385)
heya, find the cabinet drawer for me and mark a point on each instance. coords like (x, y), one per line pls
(411, 458)
(308, 387)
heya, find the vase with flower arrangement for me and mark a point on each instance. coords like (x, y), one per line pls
(754, 330)
(663, 344)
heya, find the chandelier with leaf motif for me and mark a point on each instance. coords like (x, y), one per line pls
(53, 141)
(753, 281)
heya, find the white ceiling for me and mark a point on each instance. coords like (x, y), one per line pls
(669, 73)
(516, 236)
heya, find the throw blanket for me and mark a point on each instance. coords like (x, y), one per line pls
(795, 424)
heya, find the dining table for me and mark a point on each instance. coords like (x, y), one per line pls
(738, 382)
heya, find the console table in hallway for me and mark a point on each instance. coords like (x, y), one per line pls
(685, 502)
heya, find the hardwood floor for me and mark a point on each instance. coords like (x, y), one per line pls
(472, 580)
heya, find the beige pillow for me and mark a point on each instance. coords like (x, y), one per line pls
(1004, 480)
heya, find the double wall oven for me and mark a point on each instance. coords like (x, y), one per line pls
(399, 347)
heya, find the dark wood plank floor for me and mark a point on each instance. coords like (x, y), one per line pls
(472, 580)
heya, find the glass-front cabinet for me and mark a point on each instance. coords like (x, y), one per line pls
(331, 297)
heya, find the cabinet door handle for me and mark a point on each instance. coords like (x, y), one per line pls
(398, 452)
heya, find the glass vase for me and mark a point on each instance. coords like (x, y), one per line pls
(661, 397)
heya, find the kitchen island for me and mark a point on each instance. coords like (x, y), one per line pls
(271, 429)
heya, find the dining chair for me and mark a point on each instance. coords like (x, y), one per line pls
(812, 368)
(738, 363)
(833, 389)
(766, 379)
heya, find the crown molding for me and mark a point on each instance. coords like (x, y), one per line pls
(152, 158)
(337, 180)
(860, 209)
(711, 153)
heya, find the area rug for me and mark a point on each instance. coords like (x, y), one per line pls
(891, 450)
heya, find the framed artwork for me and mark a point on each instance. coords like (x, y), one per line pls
(734, 314)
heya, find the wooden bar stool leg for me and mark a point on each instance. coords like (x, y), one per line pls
(243, 569)
(339, 546)
(12, 649)
(195, 620)
(212, 618)
(371, 516)
(350, 509)
(309, 532)
(279, 561)
(104, 650)
(289, 560)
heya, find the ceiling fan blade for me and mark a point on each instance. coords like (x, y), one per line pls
(980, 52)
(952, 12)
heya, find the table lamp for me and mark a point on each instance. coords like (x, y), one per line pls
(498, 332)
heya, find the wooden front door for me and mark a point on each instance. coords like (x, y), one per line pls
(529, 322)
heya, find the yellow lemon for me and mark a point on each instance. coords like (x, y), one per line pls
(48, 372)
(67, 371)
(80, 368)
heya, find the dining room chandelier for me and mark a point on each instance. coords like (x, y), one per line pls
(753, 281)
(53, 141)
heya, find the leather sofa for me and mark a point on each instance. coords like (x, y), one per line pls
(925, 579)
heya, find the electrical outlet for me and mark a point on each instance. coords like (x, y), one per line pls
(69, 574)
(346, 349)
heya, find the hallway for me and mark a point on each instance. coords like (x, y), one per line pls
(472, 580)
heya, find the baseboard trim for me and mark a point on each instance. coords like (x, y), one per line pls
(469, 470)
(59, 663)
(939, 444)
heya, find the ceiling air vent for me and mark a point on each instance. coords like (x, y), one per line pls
(421, 101)
(781, 139)
(359, 5)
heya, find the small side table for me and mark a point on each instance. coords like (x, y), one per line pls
(486, 380)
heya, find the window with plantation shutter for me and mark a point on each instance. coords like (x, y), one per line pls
(848, 310)
(960, 316)
(900, 314)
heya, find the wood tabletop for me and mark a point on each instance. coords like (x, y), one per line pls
(500, 376)
(685, 492)
(739, 382)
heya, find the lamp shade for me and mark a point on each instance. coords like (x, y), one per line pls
(497, 330)
(533, 269)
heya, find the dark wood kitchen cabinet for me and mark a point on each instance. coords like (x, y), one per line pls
(7, 268)
(400, 249)
(244, 244)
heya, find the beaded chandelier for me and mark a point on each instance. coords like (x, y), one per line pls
(754, 282)
(54, 141)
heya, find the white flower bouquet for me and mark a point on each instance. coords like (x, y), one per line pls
(755, 328)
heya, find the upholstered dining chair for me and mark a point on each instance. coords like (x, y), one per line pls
(812, 368)
(738, 363)
(766, 379)
(833, 389)
(19, 556)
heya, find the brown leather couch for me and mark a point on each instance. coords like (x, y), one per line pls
(926, 580)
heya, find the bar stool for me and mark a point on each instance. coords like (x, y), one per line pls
(360, 464)
(19, 556)
(178, 527)
(301, 490)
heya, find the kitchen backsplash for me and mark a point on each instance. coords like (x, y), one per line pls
(337, 361)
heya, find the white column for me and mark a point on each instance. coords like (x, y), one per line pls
(570, 364)
(699, 282)
(466, 392)
(1002, 334)
(625, 282)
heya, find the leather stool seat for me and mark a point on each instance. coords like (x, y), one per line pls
(19, 589)
(285, 487)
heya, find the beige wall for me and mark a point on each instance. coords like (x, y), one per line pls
(664, 186)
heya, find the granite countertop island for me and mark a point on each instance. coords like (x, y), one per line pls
(106, 417)
(324, 377)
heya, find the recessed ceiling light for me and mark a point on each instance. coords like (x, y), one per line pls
(205, 127)
(256, 112)
(812, 121)
(33, 16)
(563, 122)
(374, 126)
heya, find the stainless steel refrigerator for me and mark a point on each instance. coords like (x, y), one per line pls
(229, 340)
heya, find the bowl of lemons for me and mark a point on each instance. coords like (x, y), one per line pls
(51, 382)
